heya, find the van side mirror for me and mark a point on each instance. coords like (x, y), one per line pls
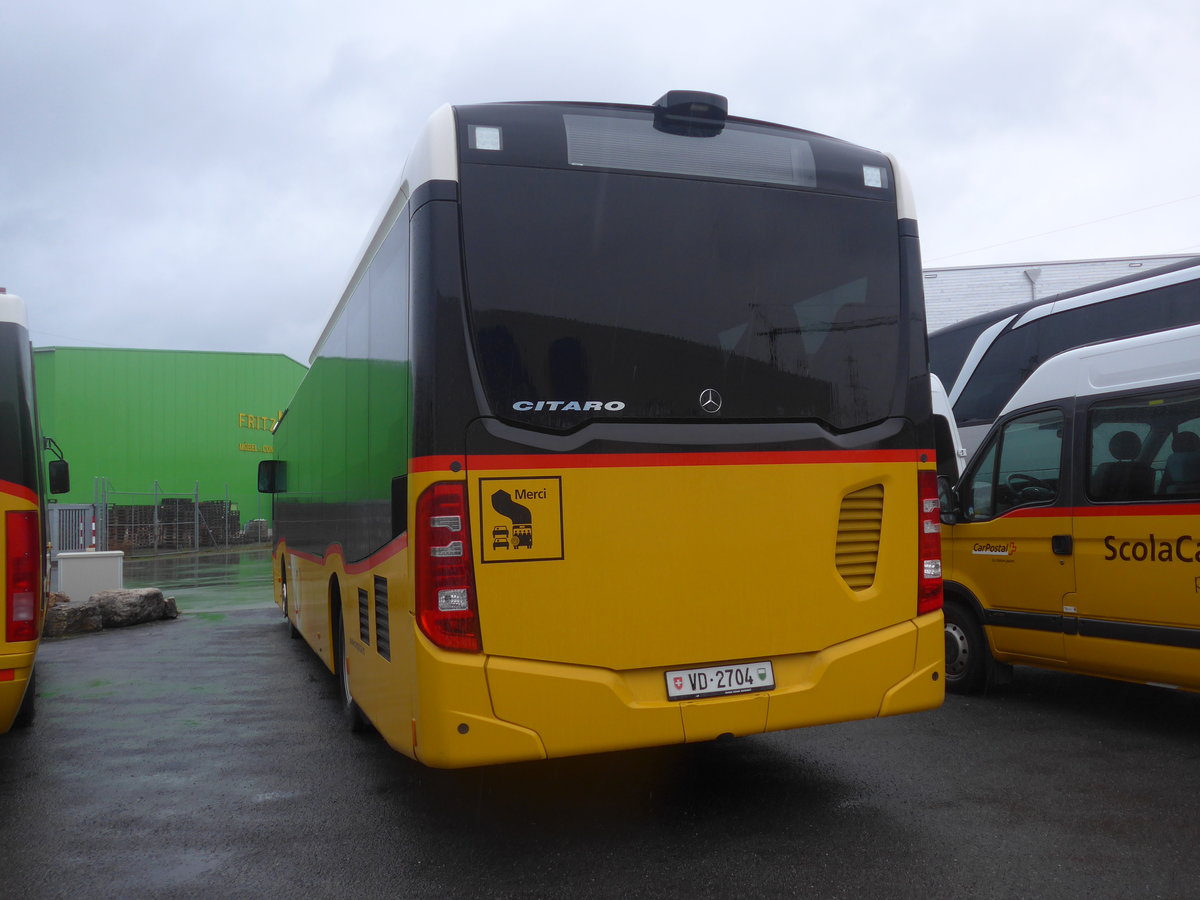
(60, 476)
(948, 500)
(272, 476)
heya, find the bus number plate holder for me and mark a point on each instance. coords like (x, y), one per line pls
(720, 681)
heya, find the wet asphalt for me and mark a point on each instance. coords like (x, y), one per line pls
(205, 757)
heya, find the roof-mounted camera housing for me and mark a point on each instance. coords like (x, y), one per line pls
(691, 113)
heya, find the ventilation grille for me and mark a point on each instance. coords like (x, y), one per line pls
(383, 640)
(859, 525)
(364, 617)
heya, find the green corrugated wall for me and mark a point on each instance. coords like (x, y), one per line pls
(175, 417)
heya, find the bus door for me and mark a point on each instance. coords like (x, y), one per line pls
(1138, 540)
(1011, 547)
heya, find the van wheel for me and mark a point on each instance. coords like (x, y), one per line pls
(966, 651)
(29, 705)
(355, 721)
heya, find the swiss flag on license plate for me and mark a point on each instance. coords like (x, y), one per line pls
(678, 683)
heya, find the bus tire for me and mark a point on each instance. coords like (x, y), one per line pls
(966, 650)
(28, 705)
(292, 632)
(355, 721)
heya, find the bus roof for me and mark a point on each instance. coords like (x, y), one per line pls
(957, 351)
(1046, 305)
(1162, 358)
(434, 157)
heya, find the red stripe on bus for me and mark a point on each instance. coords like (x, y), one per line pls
(498, 462)
(378, 558)
(1039, 512)
(434, 463)
(1063, 512)
(19, 491)
(1143, 509)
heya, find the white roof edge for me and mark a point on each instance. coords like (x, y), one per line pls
(906, 206)
(1192, 273)
(1166, 258)
(434, 157)
(1148, 360)
(982, 343)
(12, 309)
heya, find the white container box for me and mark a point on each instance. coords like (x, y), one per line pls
(82, 574)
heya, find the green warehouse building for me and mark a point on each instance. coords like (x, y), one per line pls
(162, 443)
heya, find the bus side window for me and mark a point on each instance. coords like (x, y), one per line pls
(399, 505)
(1028, 468)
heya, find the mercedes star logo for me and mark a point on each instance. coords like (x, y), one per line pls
(710, 401)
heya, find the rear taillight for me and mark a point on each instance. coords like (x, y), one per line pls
(446, 610)
(929, 543)
(21, 588)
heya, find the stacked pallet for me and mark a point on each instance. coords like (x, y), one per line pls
(133, 527)
(130, 527)
(177, 523)
(220, 523)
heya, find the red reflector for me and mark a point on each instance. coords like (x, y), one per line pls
(8, 674)
(929, 544)
(21, 538)
(446, 609)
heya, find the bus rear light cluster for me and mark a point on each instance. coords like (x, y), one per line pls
(21, 588)
(929, 544)
(446, 610)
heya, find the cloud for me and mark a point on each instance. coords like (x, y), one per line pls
(202, 175)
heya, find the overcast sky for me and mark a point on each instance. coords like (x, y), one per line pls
(201, 174)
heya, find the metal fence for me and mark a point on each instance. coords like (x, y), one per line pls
(154, 521)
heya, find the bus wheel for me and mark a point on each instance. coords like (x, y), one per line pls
(355, 721)
(28, 706)
(292, 632)
(966, 651)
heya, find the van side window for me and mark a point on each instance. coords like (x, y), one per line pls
(1021, 465)
(1144, 448)
(1179, 469)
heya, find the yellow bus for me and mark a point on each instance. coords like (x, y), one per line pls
(22, 527)
(1072, 540)
(619, 436)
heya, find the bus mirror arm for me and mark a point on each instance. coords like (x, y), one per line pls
(948, 500)
(51, 444)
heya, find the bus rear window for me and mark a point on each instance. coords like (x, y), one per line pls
(613, 142)
(614, 295)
